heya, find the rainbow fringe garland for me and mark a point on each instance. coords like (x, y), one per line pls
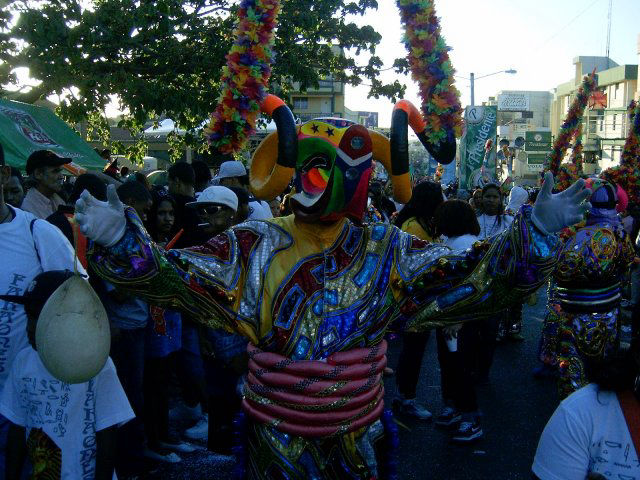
(570, 126)
(627, 174)
(631, 152)
(244, 78)
(431, 68)
(570, 172)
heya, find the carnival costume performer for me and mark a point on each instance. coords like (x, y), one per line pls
(582, 322)
(314, 292)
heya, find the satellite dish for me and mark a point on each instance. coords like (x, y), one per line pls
(519, 142)
(504, 142)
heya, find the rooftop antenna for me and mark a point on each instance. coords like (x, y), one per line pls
(609, 32)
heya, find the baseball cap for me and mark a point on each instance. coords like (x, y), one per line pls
(218, 195)
(40, 289)
(231, 168)
(44, 158)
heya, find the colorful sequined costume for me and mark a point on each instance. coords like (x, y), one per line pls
(307, 292)
(582, 322)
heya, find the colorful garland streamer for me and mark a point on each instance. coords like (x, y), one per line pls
(627, 174)
(570, 125)
(245, 77)
(431, 68)
(631, 150)
(570, 172)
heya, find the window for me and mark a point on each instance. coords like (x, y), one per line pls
(300, 103)
(615, 91)
(615, 119)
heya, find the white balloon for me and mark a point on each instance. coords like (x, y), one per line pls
(73, 335)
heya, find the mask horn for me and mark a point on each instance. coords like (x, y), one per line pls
(381, 149)
(405, 113)
(273, 163)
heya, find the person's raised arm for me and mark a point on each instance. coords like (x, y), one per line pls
(494, 273)
(205, 282)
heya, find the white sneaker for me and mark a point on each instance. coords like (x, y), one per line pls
(183, 412)
(167, 458)
(180, 447)
(412, 408)
(200, 431)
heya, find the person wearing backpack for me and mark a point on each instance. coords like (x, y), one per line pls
(30, 246)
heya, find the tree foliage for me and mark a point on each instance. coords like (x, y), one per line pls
(163, 57)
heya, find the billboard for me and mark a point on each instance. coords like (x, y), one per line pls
(513, 101)
(480, 125)
(537, 141)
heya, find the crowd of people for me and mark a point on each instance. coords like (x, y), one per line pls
(121, 419)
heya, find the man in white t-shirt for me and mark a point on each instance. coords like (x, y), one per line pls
(68, 430)
(29, 246)
(586, 436)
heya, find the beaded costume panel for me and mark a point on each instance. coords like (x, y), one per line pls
(306, 292)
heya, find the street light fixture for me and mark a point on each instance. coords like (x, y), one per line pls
(472, 78)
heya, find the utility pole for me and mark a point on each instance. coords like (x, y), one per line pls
(472, 78)
(609, 32)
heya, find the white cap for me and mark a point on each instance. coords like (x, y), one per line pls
(219, 195)
(231, 169)
(259, 210)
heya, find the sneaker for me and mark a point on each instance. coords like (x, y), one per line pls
(180, 447)
(449, 417)
(162, 457)
(467, 432)
(183, 412)
(412, 408)
(200, 430)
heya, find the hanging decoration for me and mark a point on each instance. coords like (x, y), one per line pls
(245, 76)
(570, 125)
(627, 174)
(431, 68)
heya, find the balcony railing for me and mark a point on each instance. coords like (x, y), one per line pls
(306, 116)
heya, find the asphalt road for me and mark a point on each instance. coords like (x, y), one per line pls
(515, 409)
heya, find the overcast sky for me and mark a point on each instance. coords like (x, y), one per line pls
(538, 38)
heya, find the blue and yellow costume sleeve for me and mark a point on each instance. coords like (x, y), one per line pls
(306, 292)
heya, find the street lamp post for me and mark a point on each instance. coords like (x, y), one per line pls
(472, 78)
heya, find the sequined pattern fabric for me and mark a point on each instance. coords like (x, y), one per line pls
(581, 324)
(306, 291)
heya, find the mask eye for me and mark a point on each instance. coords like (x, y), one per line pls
(317, 161)
(357, 143)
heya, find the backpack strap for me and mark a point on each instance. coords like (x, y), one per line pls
(631, 410)
(31, 225)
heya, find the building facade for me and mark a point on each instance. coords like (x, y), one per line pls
(520, 111)
(605, 124)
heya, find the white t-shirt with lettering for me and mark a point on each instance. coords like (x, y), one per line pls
(587, 434)
(19, 264)
(68, 415)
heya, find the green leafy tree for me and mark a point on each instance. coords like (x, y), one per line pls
(163, 57)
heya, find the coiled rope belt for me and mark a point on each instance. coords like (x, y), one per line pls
(312, 398)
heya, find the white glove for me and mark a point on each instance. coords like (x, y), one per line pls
(102, 222)
(552, 213)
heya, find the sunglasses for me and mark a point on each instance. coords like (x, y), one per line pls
(210, 209)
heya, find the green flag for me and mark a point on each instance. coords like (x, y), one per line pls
(26, 128)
